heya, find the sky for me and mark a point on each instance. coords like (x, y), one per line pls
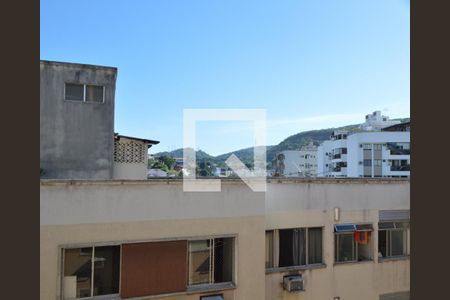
(311, 64)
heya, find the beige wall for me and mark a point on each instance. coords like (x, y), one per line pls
(92, 212)
(348, 281)
(250, 272)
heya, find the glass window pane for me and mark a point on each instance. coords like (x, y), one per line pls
(364, 240)
(398, 245)
(223, 259)
(77, 273)
(94, 93)
(314, 245)
(292, 247)
(74, 92)
(345, 245)
(269, 249)
(382, 243)
(299, 246)
(199, 262)
(106, 270)
(286, 248)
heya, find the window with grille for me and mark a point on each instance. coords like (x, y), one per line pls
(210, 261)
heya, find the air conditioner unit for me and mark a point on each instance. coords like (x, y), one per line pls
(360, 162)
(293, 283)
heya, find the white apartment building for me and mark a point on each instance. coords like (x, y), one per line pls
(365, 154)
(375, 122)
(298, 163)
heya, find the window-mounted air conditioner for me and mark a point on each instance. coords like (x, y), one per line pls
(293, 283)
(360, 162)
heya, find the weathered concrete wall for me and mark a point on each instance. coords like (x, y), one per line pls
(76, 137)
(130, 171)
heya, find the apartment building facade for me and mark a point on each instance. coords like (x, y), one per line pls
(302, 239)
(365, 154)
(298, 163)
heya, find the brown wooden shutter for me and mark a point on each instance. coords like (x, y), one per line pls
(153, 268)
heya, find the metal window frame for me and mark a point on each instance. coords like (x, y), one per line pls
(272, 241)
(276, 247)
(92, 296)
(73, 100)
(212, 259)
(395, 227)
(307, 245)
(62, 247)
(103, 93)
(354, 247)
(84, 92)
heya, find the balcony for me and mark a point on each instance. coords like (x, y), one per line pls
(401, 168)
(336, 156)
(400, 151)
(399, 148)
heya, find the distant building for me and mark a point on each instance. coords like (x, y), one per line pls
(179, 163)
(365, 154)
(77, 139)
(398, 127)
(222, 172)
(303, 239)
(76, 120)
(298, 163)
(375, 122)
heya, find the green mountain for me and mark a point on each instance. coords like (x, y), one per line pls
(292, 142)
(200, 155)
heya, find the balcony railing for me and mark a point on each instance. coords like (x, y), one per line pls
(400, 151)
(400, 168)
